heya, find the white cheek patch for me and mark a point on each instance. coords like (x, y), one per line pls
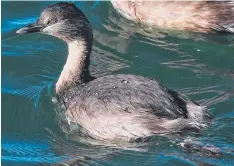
(56, 30)
(50, 29)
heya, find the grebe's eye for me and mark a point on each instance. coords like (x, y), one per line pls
(51, 21)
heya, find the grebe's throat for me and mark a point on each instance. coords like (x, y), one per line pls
(76, 69)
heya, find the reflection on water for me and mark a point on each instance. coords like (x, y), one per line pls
(198, 65)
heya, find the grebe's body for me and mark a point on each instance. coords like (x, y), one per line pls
(113, 107)
(129, 107)
(197, 16)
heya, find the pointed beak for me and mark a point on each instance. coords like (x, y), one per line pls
(31, 28)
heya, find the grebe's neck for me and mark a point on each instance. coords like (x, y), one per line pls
(76, 69)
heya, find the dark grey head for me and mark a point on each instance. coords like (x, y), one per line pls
(63, 20)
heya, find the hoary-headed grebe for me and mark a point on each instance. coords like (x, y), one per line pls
(197, 16)
(122, 107)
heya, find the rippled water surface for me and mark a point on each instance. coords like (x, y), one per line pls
(200, 66)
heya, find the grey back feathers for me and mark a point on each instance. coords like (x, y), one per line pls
(128, 106)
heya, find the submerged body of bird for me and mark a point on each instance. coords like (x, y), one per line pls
(197, 16)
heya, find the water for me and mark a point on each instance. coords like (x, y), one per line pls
(198, 65)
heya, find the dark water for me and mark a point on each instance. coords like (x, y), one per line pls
(200, 66)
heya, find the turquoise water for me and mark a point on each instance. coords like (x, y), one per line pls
(200, 66)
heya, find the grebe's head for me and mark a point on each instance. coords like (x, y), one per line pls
(63, 20)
